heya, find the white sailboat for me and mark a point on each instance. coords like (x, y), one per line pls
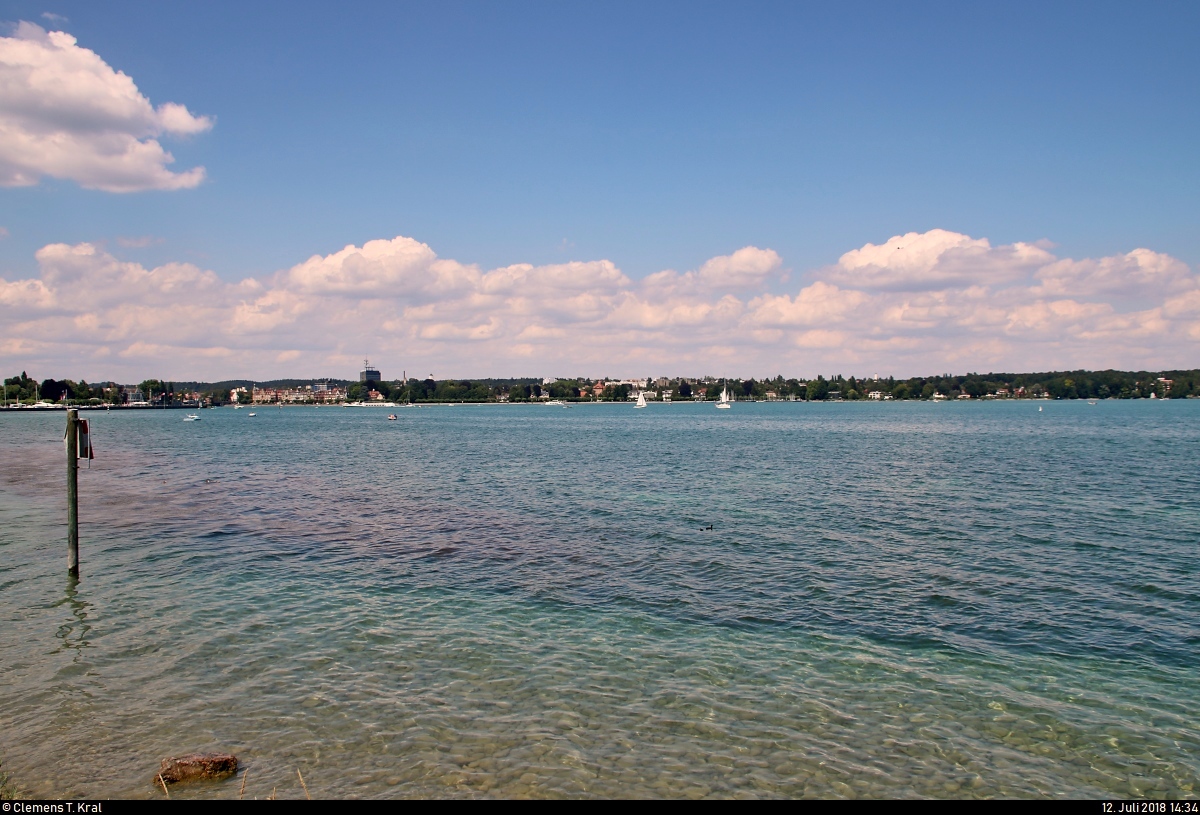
(641, 402)
(723, 402)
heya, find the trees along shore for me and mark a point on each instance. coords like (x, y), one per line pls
(1178, 384)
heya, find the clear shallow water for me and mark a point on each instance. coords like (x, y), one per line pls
(896, 600)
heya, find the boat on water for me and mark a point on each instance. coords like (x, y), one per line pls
(555, 403)
(391, 417)
(191, 417)
(724, 403)
(251, 415)
(641, 402)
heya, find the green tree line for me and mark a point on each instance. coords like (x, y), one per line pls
(1175, 384)
(22, 389)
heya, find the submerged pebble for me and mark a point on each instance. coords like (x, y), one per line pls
(197, 767)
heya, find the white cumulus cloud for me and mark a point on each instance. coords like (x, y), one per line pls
(746, 269)
(65, 113)
(936, 259)
(1130, 274)
(1010, 307)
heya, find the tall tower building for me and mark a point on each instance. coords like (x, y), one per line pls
(368, 374)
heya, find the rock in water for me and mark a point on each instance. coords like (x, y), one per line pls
(198, 767)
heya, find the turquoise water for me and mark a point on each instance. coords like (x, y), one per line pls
(895, 600)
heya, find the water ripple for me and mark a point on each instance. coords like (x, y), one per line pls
(894, 601)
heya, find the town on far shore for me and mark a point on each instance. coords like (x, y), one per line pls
(370, 388)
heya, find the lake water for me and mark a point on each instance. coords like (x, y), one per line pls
(894, 600)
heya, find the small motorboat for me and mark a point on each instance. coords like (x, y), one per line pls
(251, 415)
(391, 417)
(191, 417)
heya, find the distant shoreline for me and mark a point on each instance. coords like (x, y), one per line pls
(536, 403)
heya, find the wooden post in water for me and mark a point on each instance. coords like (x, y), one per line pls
(73, 493)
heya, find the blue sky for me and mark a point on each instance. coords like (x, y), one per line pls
(656, 136)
